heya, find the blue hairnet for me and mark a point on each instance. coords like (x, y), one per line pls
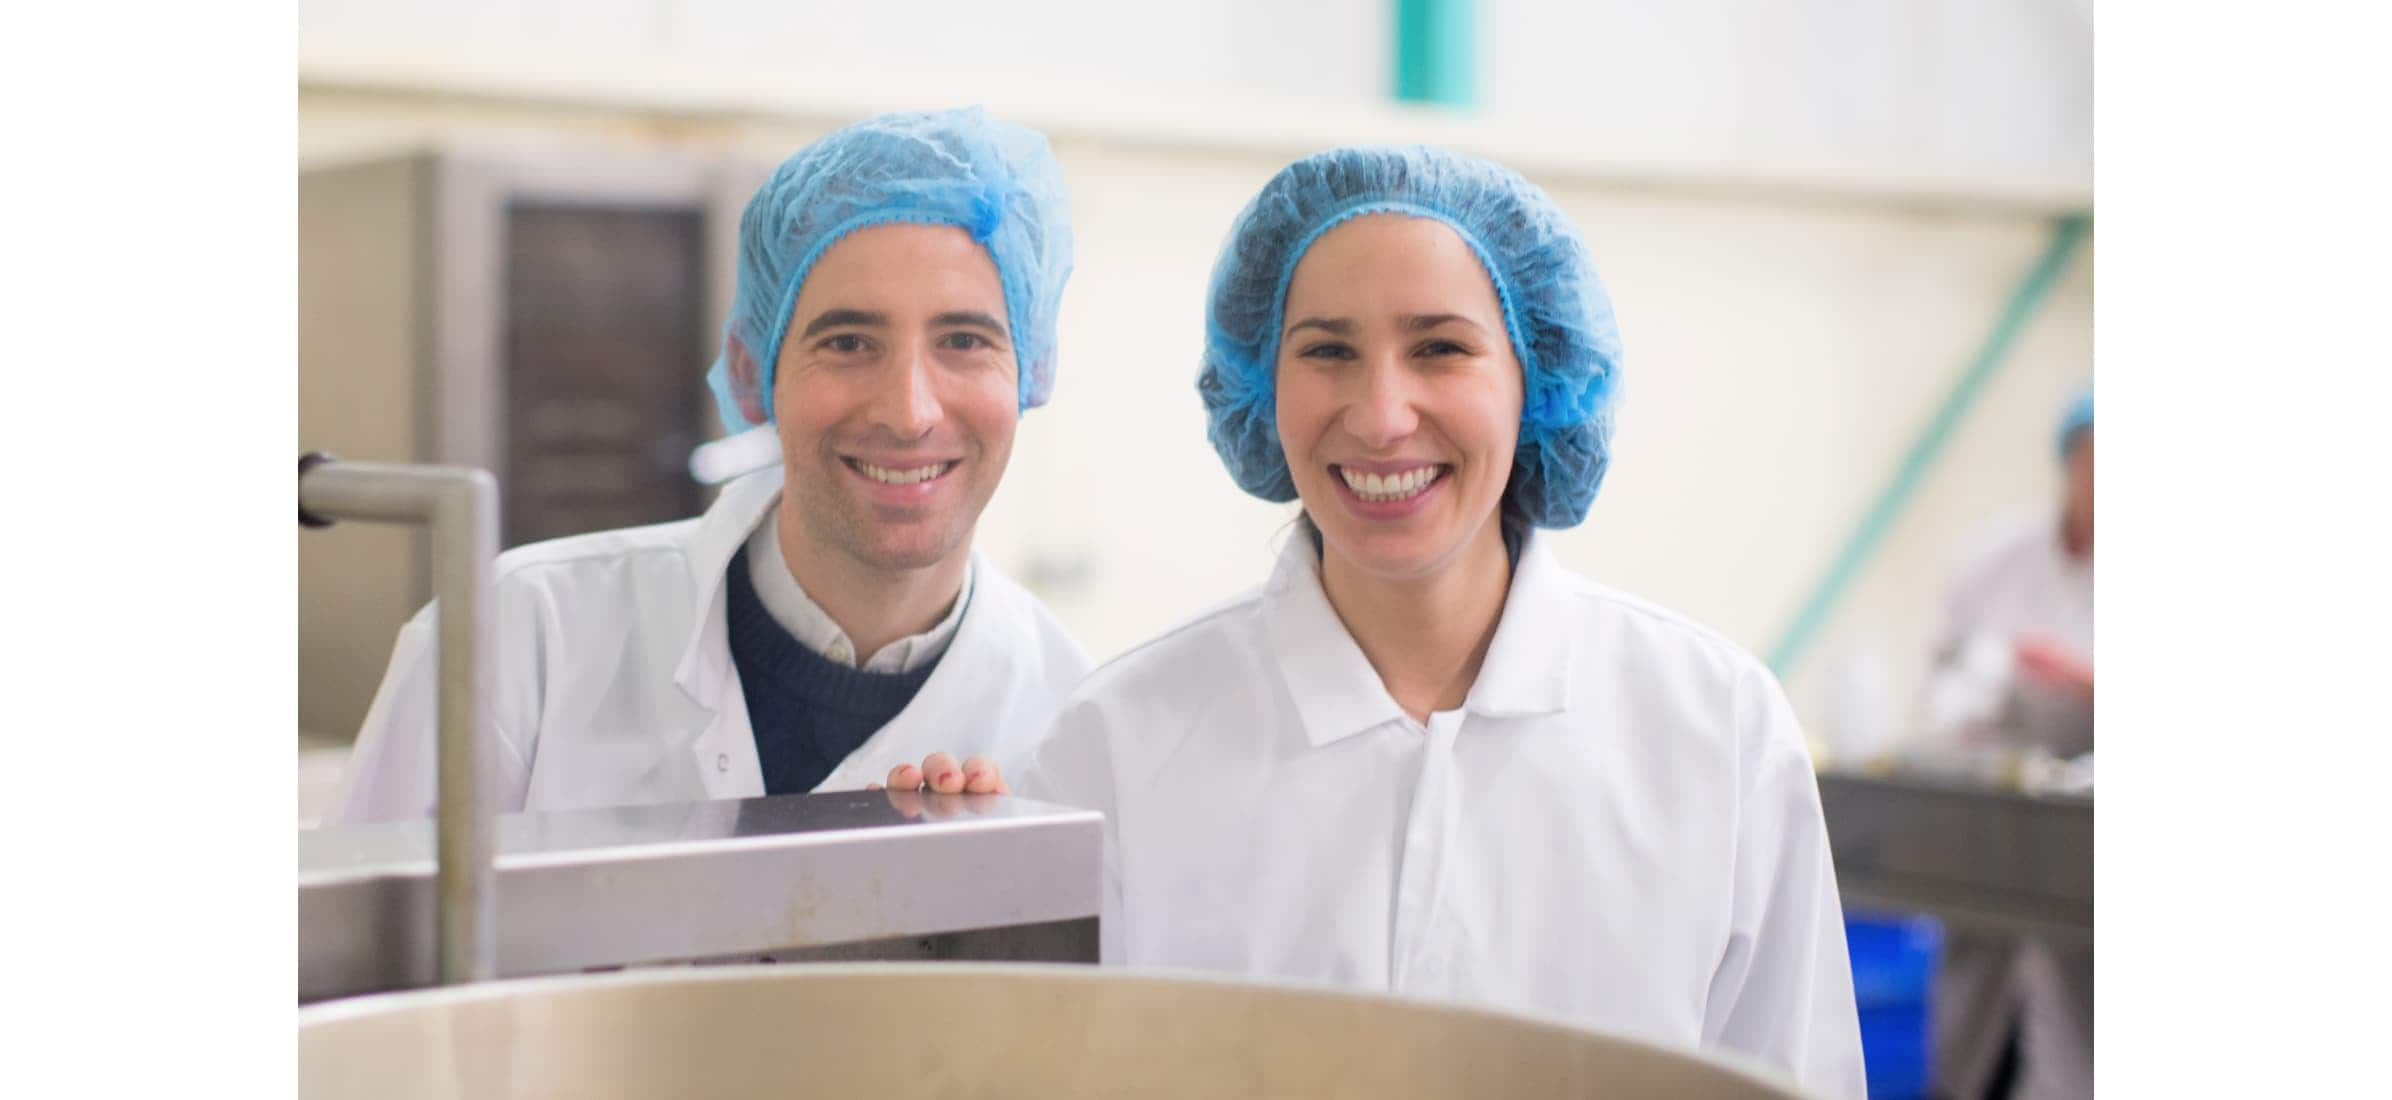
(2078, 418)
(1554, 309)
(992, 179)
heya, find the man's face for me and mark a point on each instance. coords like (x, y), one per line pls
(895, 396)
(2080, 479)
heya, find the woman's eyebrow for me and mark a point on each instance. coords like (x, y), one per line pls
(1421, 322)
(1334, 326)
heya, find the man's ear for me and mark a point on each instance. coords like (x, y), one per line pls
(746, 381)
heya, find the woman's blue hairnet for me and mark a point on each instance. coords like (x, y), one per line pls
(1554, 309)
(997, 181)
(2078, 418)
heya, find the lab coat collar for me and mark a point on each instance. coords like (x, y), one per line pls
(742, 505)
(1527, 671)
(1337, 692)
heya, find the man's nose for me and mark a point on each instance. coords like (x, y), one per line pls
(907, 402)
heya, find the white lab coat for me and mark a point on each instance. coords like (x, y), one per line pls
(615, 684)
(1619, 828)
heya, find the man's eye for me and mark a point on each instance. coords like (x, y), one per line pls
(844, 344)
(965, 341)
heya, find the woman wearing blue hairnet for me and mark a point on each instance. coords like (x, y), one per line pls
(1423, 758)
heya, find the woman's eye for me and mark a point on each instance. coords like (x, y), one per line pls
(1326, 351)
(1442, 348)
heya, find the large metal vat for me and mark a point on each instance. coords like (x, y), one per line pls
(902, 1032)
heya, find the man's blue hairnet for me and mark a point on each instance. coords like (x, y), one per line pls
(2078, 418)
(992, 179)
(1554, 309)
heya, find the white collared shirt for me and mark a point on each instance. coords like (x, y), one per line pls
(1619, 827)
(805, 620)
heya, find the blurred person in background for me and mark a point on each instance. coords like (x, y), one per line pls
(1423, 758)
(895, 314)
(2014, 658)
(2013, 686)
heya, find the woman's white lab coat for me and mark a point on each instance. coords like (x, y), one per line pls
(615, 684)
(1619, 827)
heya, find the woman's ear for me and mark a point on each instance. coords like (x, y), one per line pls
(746, 381)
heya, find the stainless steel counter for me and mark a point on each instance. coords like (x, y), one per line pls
(1989, 858)
(844, 875)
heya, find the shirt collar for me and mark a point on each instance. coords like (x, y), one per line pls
(789, 604)
(1338, 694)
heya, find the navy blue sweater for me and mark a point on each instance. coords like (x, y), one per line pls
(808, 711)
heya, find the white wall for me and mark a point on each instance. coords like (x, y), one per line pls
(1951, 84)
(1318, 50)
(1928, 85)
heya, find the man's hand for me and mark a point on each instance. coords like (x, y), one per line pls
(2053, 663)
(940, 774)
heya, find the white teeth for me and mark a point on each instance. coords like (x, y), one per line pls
(1376, 487)
(887, 476)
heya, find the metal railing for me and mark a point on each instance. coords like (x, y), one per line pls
(460, 505)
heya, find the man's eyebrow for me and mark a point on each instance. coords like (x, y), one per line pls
(968, 318)
(837, 318)
(1335, 326)
(1422, 322)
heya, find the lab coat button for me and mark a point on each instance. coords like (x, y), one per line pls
(840, 653)
(722, 762)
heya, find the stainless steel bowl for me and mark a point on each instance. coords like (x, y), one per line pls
(921, 1031)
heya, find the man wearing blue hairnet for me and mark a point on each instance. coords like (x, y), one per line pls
(826, 618)
(2014, 662)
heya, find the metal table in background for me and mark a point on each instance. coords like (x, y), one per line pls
(798, 877)
(1974, 856)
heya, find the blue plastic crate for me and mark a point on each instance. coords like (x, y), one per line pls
(1894, 960)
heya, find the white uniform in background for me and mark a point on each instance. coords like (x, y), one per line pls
(615, 685)
(2023, 584)
(1619, 827)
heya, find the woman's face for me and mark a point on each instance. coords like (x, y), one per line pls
(1398, 394)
